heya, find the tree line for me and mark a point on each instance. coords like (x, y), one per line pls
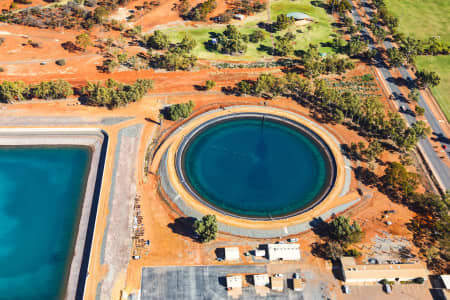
(368, 115)
(111, 94)
(19, 91)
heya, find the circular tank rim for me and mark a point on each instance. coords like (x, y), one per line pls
(320, 143)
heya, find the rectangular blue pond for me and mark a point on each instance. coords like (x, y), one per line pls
(41, 191)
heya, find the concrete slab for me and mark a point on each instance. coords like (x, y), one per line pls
(202, 282)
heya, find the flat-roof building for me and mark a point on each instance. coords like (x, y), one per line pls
(276, 283)
(234, 281)
(284, 251)
(354, 273)
(232, 253)
(261, 279)
(298, 284)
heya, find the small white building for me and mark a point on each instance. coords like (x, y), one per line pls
(284, 251)
(261, 279)
(232, 253)
(234, 282)
(298, 284)
(260, 253)
(239, 17)
(277, 283)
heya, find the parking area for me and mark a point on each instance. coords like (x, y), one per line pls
(204, 282)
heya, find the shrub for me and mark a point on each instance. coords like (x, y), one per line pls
(200, 12)
(2, 70)
(177, 111)
(353, 252)
(60, 62)
(210, 84)
(419, 280)
(23, 1)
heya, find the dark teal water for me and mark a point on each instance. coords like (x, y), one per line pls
(40, 196)
(252, 169)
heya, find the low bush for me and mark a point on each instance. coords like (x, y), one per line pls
(60, 62)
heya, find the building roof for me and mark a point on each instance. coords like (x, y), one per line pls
(298, 284)
(372, 272)
(231, 253)
(261, 279)
(298, 16)
(234, 281)
(446, 281)
(276, 283)
(284, 251)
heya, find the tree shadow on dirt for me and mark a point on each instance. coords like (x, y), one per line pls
(183, 226)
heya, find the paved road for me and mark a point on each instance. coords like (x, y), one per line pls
(440, 170)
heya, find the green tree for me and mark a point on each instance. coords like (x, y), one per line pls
(399, 181)
(245, 87)
(420, 111)
(83, 40)
(100, 13)
(188, 43)
(414, 95)
(59, 89)
(229, 42)
(333, 250)
(122, 57)
(426, 78)
(356, 46)
(158, 40)
(283, 46)
(409, 48)
(344, 6)
(344, 232)
(380, 34)
(282, 22)
(421, 129)
(395, 57)
(256, 36)
(373, 151)
(181, 110)
(13, 91)
(206, 228)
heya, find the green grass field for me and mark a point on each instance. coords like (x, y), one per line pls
(313, 33)
(441, 65)
(422, 19)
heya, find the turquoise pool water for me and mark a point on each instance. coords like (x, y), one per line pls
(41, 190)
(256, 169)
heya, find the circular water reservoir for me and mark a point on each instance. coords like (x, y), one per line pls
(256, 167)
